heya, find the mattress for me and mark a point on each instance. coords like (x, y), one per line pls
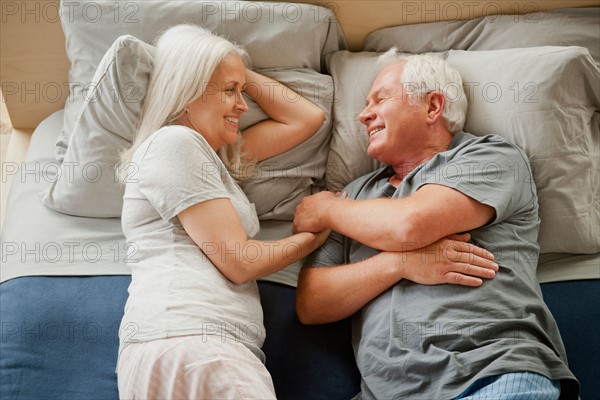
(39, 241)
(61, 313)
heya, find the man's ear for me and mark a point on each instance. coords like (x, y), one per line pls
(435, 106)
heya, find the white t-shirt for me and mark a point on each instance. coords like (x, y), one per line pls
(175, 288)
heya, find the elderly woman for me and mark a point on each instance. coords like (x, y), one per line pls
(193, 325)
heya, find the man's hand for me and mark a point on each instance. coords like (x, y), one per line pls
(449, 260)
(311, 213)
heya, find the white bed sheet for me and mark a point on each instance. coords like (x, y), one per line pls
(557, 267)
(40, 241)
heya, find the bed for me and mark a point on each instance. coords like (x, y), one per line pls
(64, 257)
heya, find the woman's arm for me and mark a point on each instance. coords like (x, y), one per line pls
(215, 227)
(293, 119)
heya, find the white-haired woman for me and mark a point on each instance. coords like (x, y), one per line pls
(193, 324)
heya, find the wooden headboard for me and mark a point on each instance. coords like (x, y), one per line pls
(34, 64)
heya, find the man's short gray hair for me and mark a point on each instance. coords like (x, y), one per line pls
(425, 73)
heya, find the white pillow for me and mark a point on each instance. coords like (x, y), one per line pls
(546, 100)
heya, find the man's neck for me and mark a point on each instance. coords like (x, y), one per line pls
(426, 153)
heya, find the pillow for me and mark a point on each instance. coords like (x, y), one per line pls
(87, 185)
(545, 100)
(274, 34)
(578, 27)
(280, 182)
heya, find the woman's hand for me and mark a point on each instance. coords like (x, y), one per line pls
(293, 119)
(215, 227)
(449, 260)
(322, 236)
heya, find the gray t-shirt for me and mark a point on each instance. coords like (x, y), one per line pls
(432, 342)
(175, 289)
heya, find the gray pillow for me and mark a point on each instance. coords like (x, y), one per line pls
(544, 99)
(353, 74)
(280, 182)
(87, 185)
(562, 27)
(274, 34)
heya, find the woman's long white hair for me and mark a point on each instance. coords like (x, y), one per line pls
(186, 57)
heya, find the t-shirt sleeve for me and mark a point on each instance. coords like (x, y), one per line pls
(331, 253)
(495, 173)
(178, 170)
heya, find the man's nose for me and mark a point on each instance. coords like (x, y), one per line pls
(366, 115)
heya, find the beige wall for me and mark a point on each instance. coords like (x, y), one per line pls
(359, 18)
(34, 65)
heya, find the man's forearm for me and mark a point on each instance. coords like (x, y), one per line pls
(329, 294)
(383, 224)
(396, 224)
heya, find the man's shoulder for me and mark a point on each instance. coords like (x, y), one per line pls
(491, 164)
(493, 146)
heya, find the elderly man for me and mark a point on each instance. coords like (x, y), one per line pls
(414, 339)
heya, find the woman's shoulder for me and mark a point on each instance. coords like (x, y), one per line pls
(175, 142)
(179, 139)
(178, 134)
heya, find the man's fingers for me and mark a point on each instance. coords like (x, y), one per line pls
(464, 280)
(460, 237)
(474, 270)
(472, 249)
(477, 261)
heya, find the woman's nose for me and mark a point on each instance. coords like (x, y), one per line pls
(241, 103)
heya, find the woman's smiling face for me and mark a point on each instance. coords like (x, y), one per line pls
(216, 113)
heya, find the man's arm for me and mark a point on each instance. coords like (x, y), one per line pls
(431, 213)
(328, 294)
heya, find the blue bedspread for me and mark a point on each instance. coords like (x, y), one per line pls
(59, 339)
